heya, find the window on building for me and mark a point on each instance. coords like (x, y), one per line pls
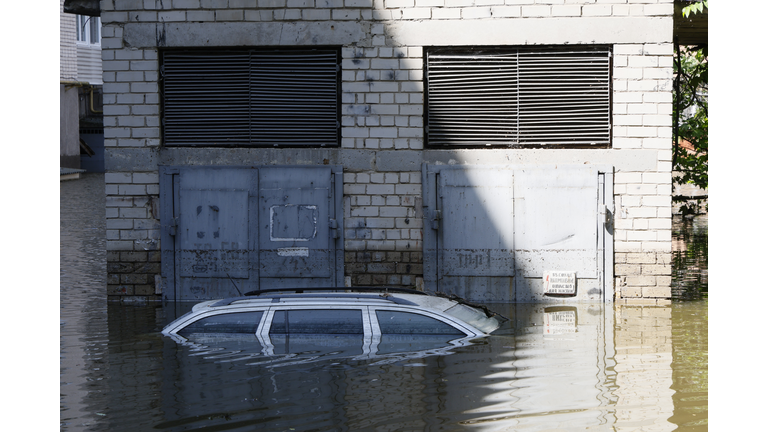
(88, 29)
(518, 97)
(251, 97)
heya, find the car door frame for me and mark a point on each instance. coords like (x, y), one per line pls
(266, 324)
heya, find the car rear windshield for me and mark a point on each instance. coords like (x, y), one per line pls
(317, 321)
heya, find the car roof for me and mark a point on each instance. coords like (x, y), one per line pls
(381, 297)
(345, 295)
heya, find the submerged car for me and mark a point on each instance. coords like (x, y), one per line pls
(374, 319)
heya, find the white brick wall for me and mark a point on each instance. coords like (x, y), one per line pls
(382, 104)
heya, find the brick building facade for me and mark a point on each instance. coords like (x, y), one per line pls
(384, 139)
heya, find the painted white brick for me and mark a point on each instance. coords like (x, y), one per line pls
(417, 13)
(446, 13)
(641, 108)
(656, 178)
(629, 97)
(628, 177)
(316, 14)
(566, 10)
(621, 10)
(659, 9)
(627, 120)
(345, 14)
(627, 49)
(459, 3)
(628, 73)
(476, 12)
(660, 224)
(627, 143)
(394, 4)
(596, 10)
(186, 4)
(657, 120)
(657, 201)
(505, 11)
(535, 11)
(656, 97)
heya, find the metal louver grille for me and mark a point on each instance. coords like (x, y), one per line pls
(507, 97)
(251, 97)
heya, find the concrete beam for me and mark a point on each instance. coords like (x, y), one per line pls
(536, 31)
(186, 34)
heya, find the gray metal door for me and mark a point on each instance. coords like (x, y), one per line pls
(298, 219)
(230, 230)
(475, 236)
(492, 233)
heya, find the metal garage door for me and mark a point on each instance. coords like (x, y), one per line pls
(493, 233)
(236, 229)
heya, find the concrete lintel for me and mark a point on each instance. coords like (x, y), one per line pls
(531, 31)
(188, 34)
(248, 156)
(622, 160)
(358, 160)
(147, 159)
(131, 159)
(399, 160)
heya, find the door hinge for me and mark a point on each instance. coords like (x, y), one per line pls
(605, 214)
(435, 219)
(172, 226)
(334, 226)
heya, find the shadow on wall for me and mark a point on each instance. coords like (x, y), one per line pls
(493, 233)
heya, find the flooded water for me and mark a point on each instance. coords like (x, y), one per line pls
(690, 247)
(564, 368)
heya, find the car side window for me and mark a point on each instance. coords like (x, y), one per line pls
(393, 322)
(241, 322)
(328, 321)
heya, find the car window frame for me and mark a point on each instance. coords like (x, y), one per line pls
(266, 323)
(197, 317)
(445, 319)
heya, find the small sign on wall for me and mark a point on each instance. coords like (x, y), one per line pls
(560, 282)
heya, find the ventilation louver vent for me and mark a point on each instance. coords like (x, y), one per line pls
(255, 97)
(507, 97)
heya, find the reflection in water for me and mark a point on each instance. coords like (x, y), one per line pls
(690, 247)
(582, 367)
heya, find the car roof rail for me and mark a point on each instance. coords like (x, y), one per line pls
(384, 290)
(276, 298)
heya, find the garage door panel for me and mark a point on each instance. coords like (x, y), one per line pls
(214, 234)
(476, 236)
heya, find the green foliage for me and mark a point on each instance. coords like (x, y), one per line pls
(696, 7)
(691, 114)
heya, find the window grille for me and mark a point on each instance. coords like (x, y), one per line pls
(251, 97)
(501, 97)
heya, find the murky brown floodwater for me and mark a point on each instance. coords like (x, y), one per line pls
(586, 367)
